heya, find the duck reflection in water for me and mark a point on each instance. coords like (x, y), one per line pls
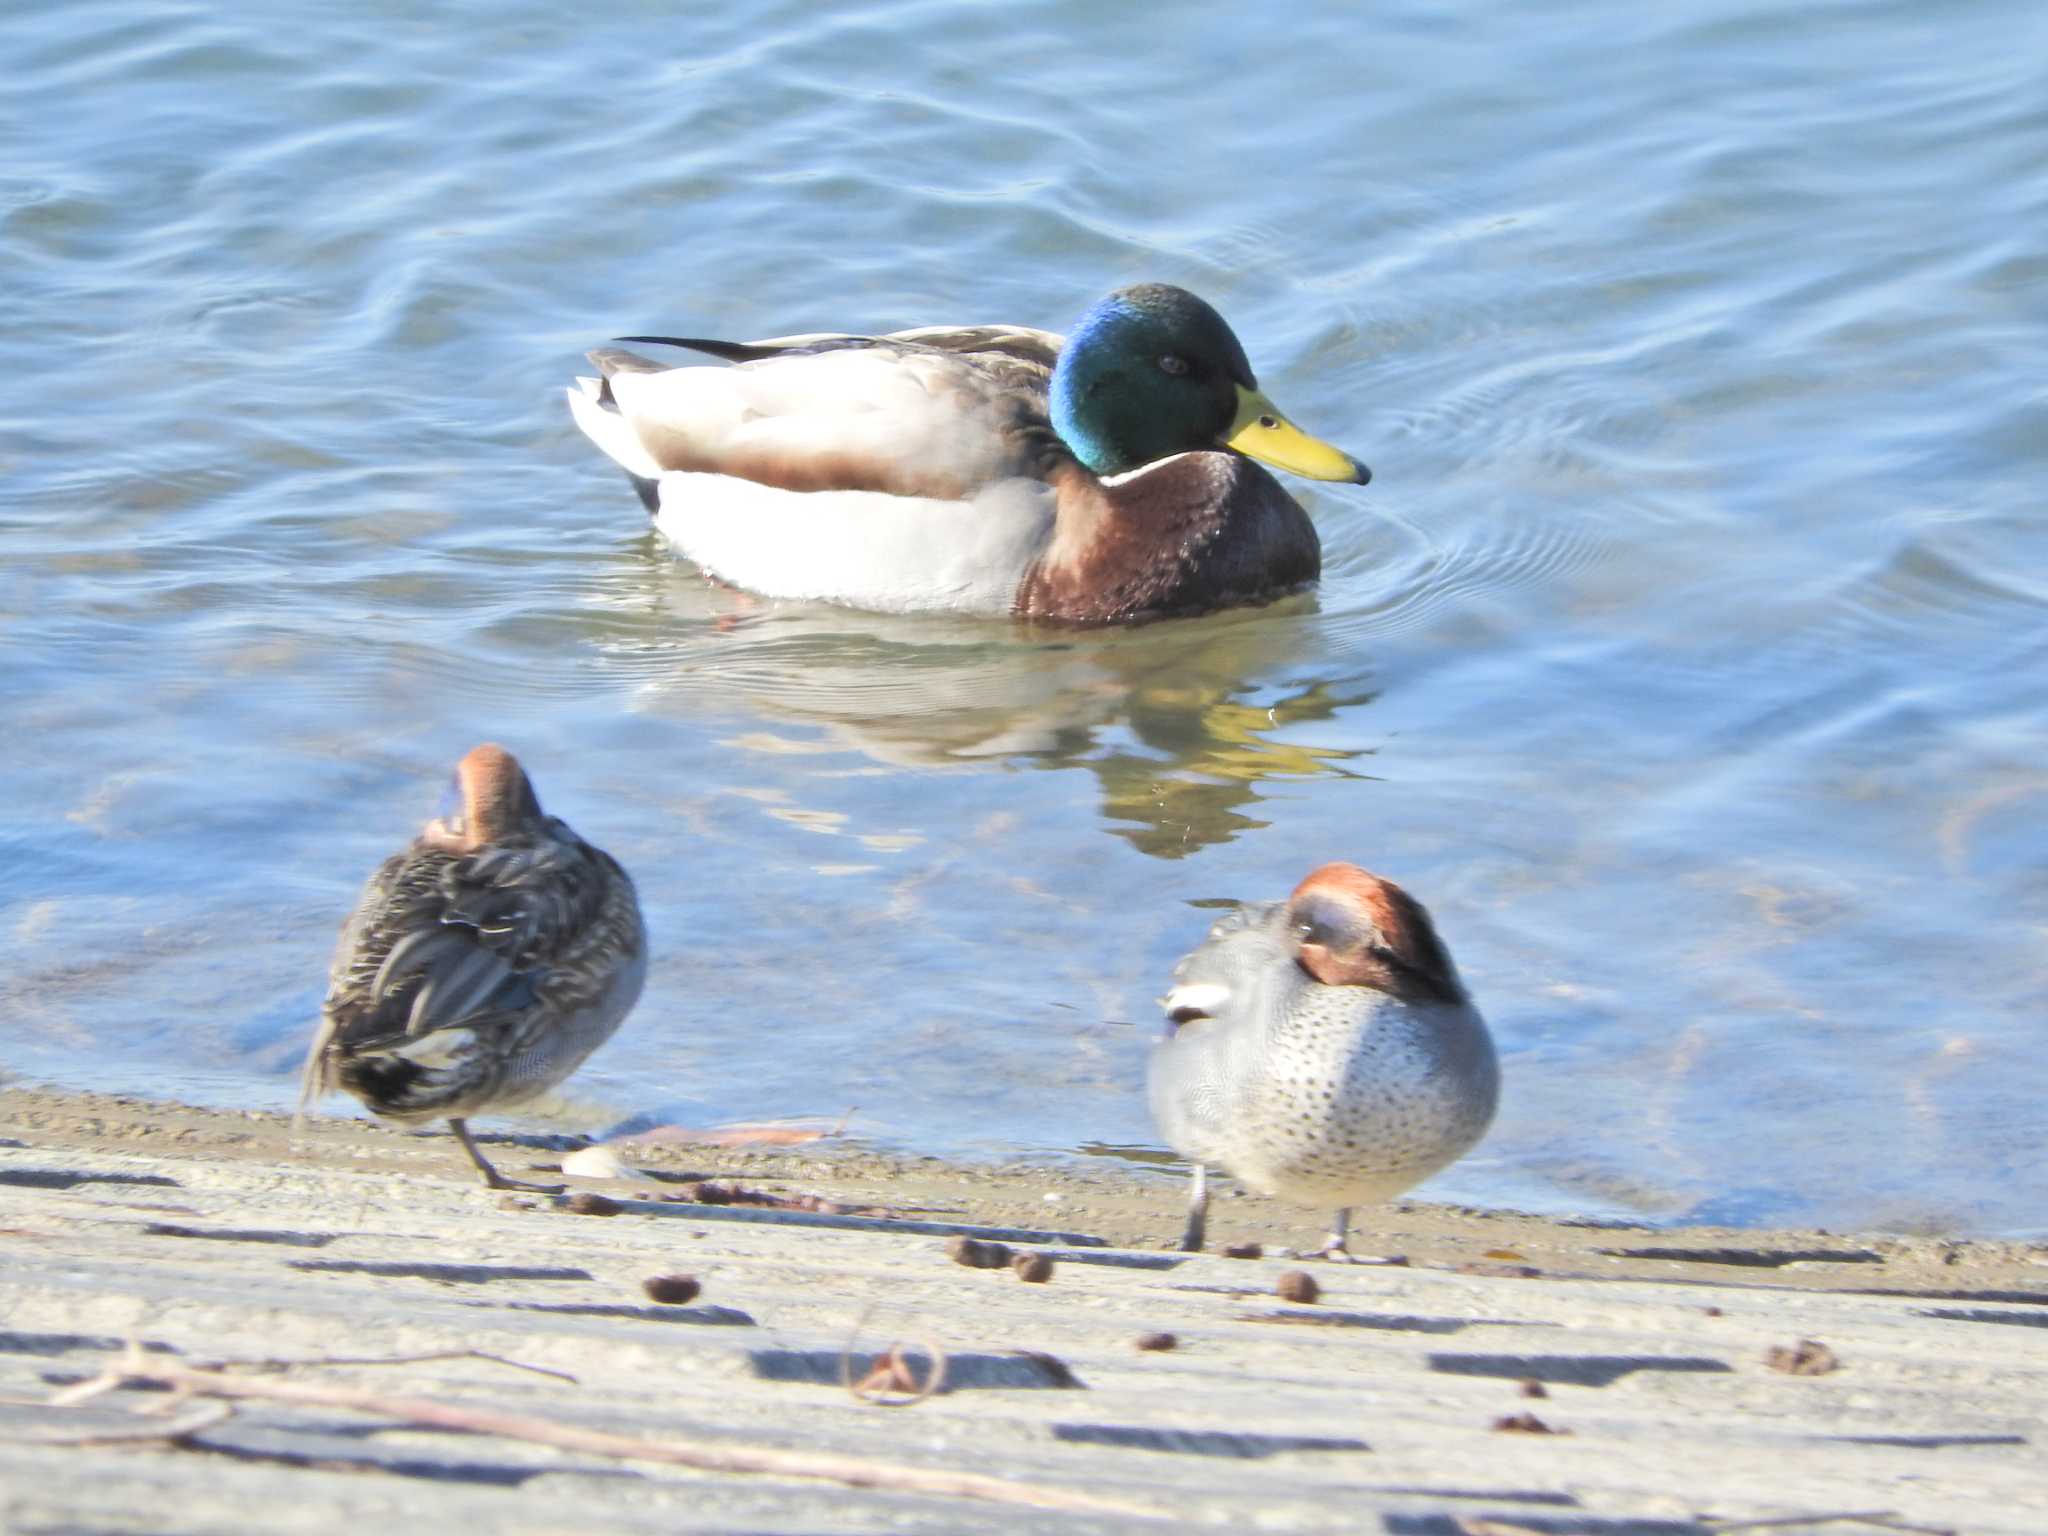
(1180, 722)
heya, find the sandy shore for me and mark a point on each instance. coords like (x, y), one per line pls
(1646, 1354)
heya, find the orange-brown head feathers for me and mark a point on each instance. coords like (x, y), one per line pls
(1357, 930)
(496, 800)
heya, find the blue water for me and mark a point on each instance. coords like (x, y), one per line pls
(1686, 654)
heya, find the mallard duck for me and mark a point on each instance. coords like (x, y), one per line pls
(482, 964)
(984, 469)
(1322, 1049)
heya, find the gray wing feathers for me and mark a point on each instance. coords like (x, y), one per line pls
(468, 979)
(458, 979)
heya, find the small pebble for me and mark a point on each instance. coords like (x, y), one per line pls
(584, 1203)
(1032, 1268)
(1809, 1357)
(1525, 1424)
(1157, 1341)
(1244, 1251)
(1531, 1387)
(1297, 1285)
(976, 1254)
(671, 1290)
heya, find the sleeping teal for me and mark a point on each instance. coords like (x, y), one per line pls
(1322, 1049)
(979, 469)
(482, 963)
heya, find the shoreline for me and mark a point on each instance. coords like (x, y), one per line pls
(1518, 1375)
(1125, 1208)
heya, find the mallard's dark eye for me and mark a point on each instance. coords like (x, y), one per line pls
(1173, 365)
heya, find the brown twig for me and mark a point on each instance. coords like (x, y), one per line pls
(1883, 1519)
(111, 1379)
(891, 1373)
(207, 1416)
(277, 1364)
(850, 1471)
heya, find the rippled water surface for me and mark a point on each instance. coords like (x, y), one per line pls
(1686, 654)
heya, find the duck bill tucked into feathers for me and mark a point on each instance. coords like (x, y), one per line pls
(1261, 432)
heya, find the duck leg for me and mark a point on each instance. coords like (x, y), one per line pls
(1198, 1211)
(492, 1178)
(1338, 1251)
(1334, 1246)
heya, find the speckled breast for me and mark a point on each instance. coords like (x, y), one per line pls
(1360, 1096)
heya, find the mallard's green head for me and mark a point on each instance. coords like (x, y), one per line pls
(1153, 371)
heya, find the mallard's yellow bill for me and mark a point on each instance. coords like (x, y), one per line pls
(1263, 433)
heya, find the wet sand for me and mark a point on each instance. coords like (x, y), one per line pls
(1648, 1353)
